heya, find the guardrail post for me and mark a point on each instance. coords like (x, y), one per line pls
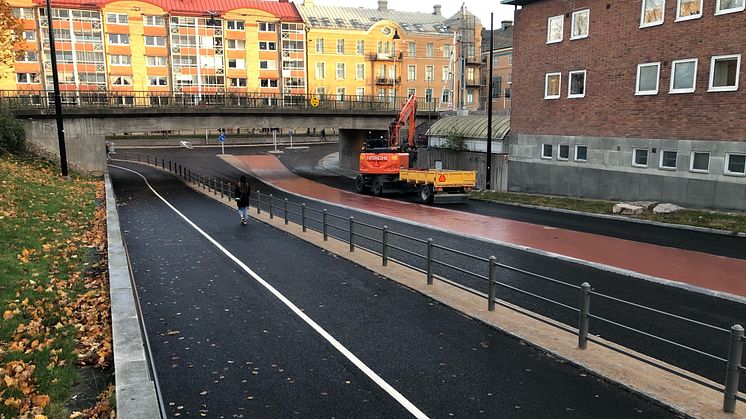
(222, 187)
(180, 170)
(585, 304)
(259, 202)
(303, 216)
(138, 157)
(384, 246)
(163, 164)
(429, 261)
(323, 225)
(271, 213)
(352, 234)
(734, 364)
(169, 166)
(493, 284)
(285, 203)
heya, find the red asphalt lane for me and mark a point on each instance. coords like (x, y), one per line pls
(699, 269)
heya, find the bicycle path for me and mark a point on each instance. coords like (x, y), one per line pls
(690, 269)
(225, 345)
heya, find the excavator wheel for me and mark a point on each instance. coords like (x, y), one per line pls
(377, 186)
(360, 184)
(426, 194)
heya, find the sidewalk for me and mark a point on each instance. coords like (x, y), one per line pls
(700, 272)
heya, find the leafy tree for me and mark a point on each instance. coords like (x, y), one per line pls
(12, 134)
(11, 30)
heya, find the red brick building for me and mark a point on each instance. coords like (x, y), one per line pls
(637, 99)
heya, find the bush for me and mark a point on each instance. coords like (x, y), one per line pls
(12, 134)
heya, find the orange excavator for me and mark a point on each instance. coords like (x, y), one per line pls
(387, 166)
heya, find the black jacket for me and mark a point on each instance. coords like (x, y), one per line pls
(242, 199)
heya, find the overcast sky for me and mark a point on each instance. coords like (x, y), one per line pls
(480, 8)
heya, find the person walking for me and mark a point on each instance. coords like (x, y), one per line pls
(243, 190)
(323, 134)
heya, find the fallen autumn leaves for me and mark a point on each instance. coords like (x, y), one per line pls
(54, 285)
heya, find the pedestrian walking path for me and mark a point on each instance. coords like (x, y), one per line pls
(689, 269)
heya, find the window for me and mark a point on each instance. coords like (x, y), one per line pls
(157, 81)
(444, 74)
(428, 95)
(360, 71)
(429, 49)
(552, 85)
(122, 81)
(668, 160)
(236, 44)
(153, 21)
(340, 71)
(411, 92)
(581, 153)
(647, 79)
(321, 70)
(729, 6)
(263, 64)
(152, 61)
(576, 87)
(683, 76)
(267, 27)
(236, 63)
(700, 162)
(580, 21)
(116, 18)
(340, 46)
(28, 56)
(563, 153)
(30, 36)
(340, 93)
(235, 25)
(652, 12)
(470, 74)
(554, 29)
(120, 60)
(411, 49)
(360, 47)
(267, 46)
(268, 83)
(237, 81)
(119, 39)
(429, 73)
(320, 45)
(546, 151)
(688, 9)
(360, 93)
(412, 72)
(640, 157)
(446, 98)
(735, 164)
(724, 71)
(321, 91)
(23, 12)
(124, 100)
(27, 78)
(155, 41)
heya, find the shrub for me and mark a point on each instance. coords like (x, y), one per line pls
(12, 134)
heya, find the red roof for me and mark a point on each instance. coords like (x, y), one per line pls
(283, 10)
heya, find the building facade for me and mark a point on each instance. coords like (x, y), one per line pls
(148, 51)
(502, 67)
(633, 100)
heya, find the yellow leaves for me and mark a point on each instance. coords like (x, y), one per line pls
(25, 255)
(9, 381)
(41, 400)
(7, 314)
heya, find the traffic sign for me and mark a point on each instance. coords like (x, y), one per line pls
(314, 101)
(222, 137)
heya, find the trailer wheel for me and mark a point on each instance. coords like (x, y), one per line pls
(360, 184)
(426, 194)
(377, 186)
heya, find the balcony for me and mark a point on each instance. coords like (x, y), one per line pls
(473, 83)
(385, 57)
(387, 81)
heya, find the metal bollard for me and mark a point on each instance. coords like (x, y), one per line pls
(352, 234)
(286, 211)
(493, 284)
(323, 225)
(271, 213)
(259, 202)
(429, 261)
(169, 166)
(384, 246)
(138, 157)
(732, 374)
(222, 187)
(303, 216)
(585, 303)
(163, 164)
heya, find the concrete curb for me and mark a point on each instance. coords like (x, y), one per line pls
(135, 388)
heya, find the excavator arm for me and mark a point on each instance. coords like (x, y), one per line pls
(406, 116)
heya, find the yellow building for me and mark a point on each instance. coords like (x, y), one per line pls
(386, 53)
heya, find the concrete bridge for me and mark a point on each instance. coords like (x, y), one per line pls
(87, 123)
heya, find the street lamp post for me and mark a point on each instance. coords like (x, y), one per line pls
(57, 98)
(395, 38)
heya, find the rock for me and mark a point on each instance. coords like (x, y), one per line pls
(627, 209)
(666, 208)
(647, 205)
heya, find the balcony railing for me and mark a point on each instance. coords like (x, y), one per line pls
(387, 81)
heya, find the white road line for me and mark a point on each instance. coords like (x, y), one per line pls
(334, 342)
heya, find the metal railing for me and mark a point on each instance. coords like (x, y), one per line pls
(377, 240)
(42, 99)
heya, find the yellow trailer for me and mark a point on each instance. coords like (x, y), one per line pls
(440, 186)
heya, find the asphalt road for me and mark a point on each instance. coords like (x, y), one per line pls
(713, 311)
(225, 346)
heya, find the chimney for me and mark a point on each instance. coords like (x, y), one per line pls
(436, 10)
(506, 24)
(308, 3)
(383, 5)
